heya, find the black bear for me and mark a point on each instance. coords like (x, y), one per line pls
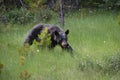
(58, 36)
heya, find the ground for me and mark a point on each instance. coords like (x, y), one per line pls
(94, 38)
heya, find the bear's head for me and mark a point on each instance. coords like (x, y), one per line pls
(61, 39)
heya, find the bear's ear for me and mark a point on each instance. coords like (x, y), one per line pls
(67, 32)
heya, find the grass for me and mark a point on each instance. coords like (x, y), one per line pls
(94, 38)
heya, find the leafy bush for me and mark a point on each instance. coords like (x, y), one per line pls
(87, 63)
(24, 16)
(35, 3)
(24, 75)
(27, 51)
(43, 16)
(109, 65)
(112, 64)
(45, 39)
(112, 4)
(20, 16)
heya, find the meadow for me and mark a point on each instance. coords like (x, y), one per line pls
(95, 39)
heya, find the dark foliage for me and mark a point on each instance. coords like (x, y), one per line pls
(24, 11)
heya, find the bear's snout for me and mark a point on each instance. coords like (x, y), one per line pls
(64, 44)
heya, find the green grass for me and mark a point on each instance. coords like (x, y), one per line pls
(94, 38)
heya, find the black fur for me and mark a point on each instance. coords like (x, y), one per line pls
(58, 36)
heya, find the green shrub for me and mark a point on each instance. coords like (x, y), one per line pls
(109, 65)
(45, 39)
(20, 16)
(87, 63)
(43, 16)
(24, 75)
(26, 50)
(112, 64)
(24, 16)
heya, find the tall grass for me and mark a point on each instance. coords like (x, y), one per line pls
(94, 38)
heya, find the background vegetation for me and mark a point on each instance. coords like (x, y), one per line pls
(94, 35)
(26, 11)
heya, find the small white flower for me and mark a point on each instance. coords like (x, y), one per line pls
(104, 41)
(87, 55)
(37, 50)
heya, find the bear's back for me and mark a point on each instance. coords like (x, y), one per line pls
(51, 28)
